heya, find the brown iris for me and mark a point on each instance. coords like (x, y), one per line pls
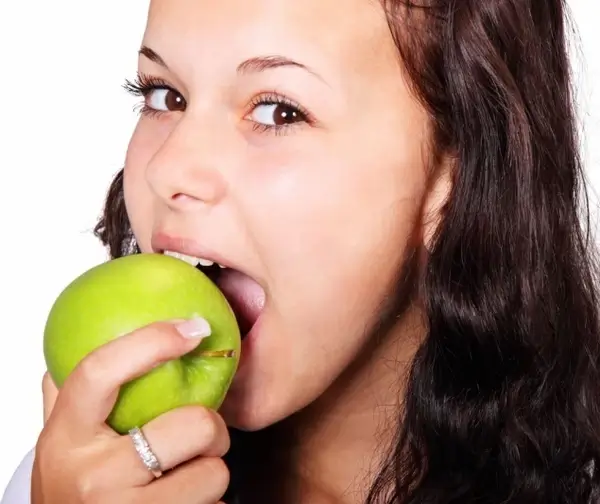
(285, 114)
(174, 101)
(168, 100)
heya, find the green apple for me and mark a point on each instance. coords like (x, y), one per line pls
(124, 294)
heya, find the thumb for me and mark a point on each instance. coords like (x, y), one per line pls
(50, 393)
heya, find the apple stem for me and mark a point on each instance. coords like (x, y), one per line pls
(217, 353)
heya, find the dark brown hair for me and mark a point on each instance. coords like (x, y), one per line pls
(502, 404)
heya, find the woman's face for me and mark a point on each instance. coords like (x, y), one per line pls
(290, 149)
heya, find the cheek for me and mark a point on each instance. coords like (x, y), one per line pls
(332, 228)
(144, 143)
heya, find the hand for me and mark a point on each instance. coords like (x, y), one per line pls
(79, 459)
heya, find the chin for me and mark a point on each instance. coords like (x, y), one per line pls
(241, 414)
(254, 404)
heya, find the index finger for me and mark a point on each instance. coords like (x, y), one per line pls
(90, 392)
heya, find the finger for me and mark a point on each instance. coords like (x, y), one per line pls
(49, 393)
(200, 481)
(90, 392)
(175, 438)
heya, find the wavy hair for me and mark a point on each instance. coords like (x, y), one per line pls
(502, 403)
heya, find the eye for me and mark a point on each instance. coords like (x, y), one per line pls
(276, 114)
(165, 100)
(159, 96)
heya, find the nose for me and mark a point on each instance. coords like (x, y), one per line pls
(187, 169)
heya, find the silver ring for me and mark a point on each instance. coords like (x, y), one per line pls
(147, 456)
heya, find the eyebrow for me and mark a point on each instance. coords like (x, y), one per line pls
(152, 55)
(262, 63)
(251, 65)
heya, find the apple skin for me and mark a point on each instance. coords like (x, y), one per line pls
(124, 294)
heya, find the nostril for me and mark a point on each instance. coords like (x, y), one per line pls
(183, 198)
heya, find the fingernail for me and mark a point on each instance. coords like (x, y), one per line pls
(195, 328)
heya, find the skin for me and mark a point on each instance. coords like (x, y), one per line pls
(322, 213)
(339, 197)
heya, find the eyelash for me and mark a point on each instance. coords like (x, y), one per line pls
(275, 98)
(143, 85)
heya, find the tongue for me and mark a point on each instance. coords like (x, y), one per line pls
(246, 297)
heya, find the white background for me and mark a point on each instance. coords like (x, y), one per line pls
(64, 127)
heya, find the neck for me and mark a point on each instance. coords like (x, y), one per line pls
(331, 451)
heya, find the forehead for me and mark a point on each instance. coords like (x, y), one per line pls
(350, 33)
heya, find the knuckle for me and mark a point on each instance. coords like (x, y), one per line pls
(218, 474)
(85, 487)
(89, 371)
(211, 433)
(201, 425)
(204, 420)
(91, 483)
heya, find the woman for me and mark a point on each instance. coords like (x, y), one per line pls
(394, 190)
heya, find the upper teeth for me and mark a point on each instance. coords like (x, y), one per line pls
(194, 261)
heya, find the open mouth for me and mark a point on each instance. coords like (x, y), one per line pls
(244, 294)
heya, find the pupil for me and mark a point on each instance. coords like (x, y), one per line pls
(285, 115)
